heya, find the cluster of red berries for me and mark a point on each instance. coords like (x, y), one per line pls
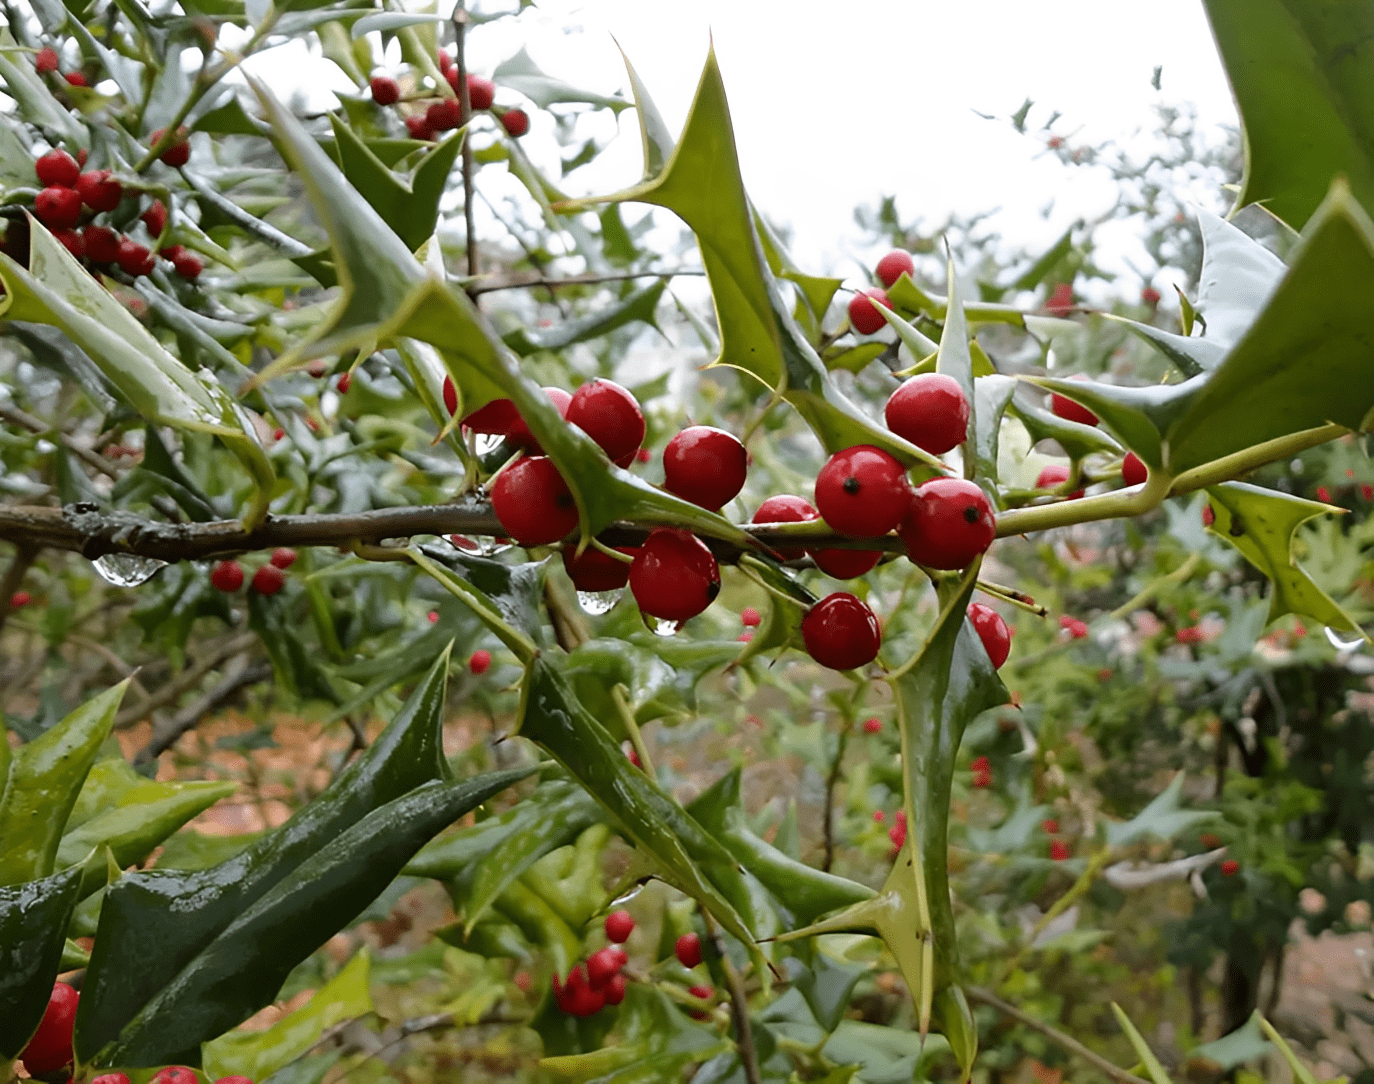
(598, 983)
(1133, 469)
(46, 60)
(1059, 849)
(446, 113)
(688, 953)
(227, 576)
(70, 198)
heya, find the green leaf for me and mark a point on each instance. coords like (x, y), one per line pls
(522, 74)
(1163, 819)
(37, 104)
(1138, 416)
(295, 663)
(955, 361)
(259, 1054)
(1047, 264)
(1301, 1073)
(41, 784)
(827, 986)
(156, 923)
(1303, 83)
(33, 926)
(16, 168)
(640, 305)
(1244, 1044)
(1263, 524)
(991, 396)
(1304, 361)
(1076, 439)
(1142, 1049)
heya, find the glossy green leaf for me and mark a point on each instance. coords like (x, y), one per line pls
(905, 294)
(1137, 416)
(954, 360)
(1304, 361)
(568, 878)
(41, 784)
(826, 985)
(1192, 356)
(818, 290)
(922, 347)
(805, 891)
(156, 923)
(853, 359)
(1163, 819)
(1244, 1044)
(688, 856)
(33, 926)
(1303, 81)
(521, 73)
(536, 919)
(16, 169)
(991, 396)
(1263, 525)
(259, 1054)
(641, 305)
(1076, 439)
(1141, 1047)
(73, 956)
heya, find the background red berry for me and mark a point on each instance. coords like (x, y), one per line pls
(948, 524)
(178, 154)
(688, 950)
(155, 218)
(283, 557)
(891, 267)
(873, 726)
(419, 128)
(187, 266)
(931, 411)
(993, 631)
(98, 192)
(134, 259)
(481, 92)
(58, 208)
(1059, 850)
(610, 415)
(45, 61)
(444, 115)
(51, 1046)
(674, 576)
(268, 580)
(451, 396)
(480, 661)
(862, 491)
(75, 79)
(227, 576)
(1133, 470)
(841, 632)
(20, 599)
(72, 241)
(385, 90)
(865, 318)
(619, 926)
(705, 465)
(533, 502)
(57, 167)
(749, 617)
(786, 508)
(1230, 867)
(1070, 411)
(1054, 476)
(516, 122)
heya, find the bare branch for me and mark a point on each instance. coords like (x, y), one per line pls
(187, 679)
(240, 676)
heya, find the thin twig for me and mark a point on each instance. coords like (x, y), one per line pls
(165, 734)
(1072, 1045)
(739, 1008)
(460, 23)
(831, 782)
(576, 280)
(187, 679)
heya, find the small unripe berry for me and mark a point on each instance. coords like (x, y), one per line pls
(385, 90)
(865, 318)
(480, 662)
(840, 632)
(688, 950)
(268, 580)
(227, 576)
(892, 266)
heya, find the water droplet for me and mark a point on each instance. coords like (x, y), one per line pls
(486, 443)
(126, 570)
(490, 547)
(1339, 644)
(597, 603)
(663, 628)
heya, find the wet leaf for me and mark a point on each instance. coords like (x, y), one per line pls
(33, 925)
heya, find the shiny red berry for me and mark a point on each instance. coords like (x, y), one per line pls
(51, 1046)
(873, 726)
(58, 208)
(134, 259)
(519, 433)
(283, 557)
(948, 524)
(45, 61)
(931, 411)
(444, 114)
(841, 564)
(102, 244)
(516, 122)
(385, 90)
(75, 79)
(610, 415)
(862, 491)
(1070, 411)
(595, 571)
(494, 419)
(155, 218)
(604, 964)
(993, 631)
(865, 318)
(445, 61)
(892, 266)
(57, 167)
(227, 576)
(98, 192)
(688, 950)
(533, 502)
(1054, 476)
(705, 465)
(175, 1074)
(674, 576)
(72, 241)
(619, 926)
(268, 580)
(481, 92)
(234, 1080)
(179, 153)
(344, 382)
(841, 632)
(110, 1078)
(785, 508)
(480, 661)
(187, 266)
(1133, 470)
(750, 617)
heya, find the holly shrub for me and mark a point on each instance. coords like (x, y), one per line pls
(669, 714)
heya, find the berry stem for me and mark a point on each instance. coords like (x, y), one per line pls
(611, 552)
(632, 728)
(745, 562)
(1016, 598)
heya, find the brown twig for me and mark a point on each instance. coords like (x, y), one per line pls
(831, 782)
(460, 23)
(165, 734)
(187, 679)
(1072, 1045)
(739, 1009)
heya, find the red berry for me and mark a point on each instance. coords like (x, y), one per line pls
(993, 631)
(1059, 850)
(615, 990)
(102, 244)
(51, 1046)
(706, 993)
(982, 780)
(134, 259)
(480, 662)
(75, 79)
(385, 90)
(862, 491)
(98, 192)
(533, 502)
(1060, 301)
(57, 167)
(948, 524)
(111, 1078)
(317, 369)
(1208, 516)
(892, 266)
(674, 576)
(865, 318)
(516, 122)
(786, 508)
(931, 411)
(688, 950)
(445, 61)
(344, 382)
(603, 965)
(843, 564)
(72, 241)
(187, 266)
(1050, 826)
(268, 580)
(58, 208)
(595, 571)
(444, 114)
(419, 128)
(1054, 476)
(227, 576)
(179, 153)
(432, 617)
(519, 433)
(749, 616)
(841, 632)
(175, 1074)
(610, 415)
(451, 396)
(705, 465)
(155, 218)
(619, 926)
(1070, 411)
(873, 726)
(746, 636)
(283, 557)
(1230, 867)
(1324, 494)
(45, 61)
(1190, 635)
(20, 599)
(1076, 629)
(234, 1080)
(642, 456)
(496, 418)
(1210, 841)
(481, 92)
(1149, 296)
(980, 764)
(1133, 470)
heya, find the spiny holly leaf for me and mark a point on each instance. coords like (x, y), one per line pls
(521, 73)
(1262, 524)
(817, 290)
(640, 305)
(905, 294)
(1305, 360)
(1163, 819)
(37, 103)
(33, 926)
(954, 360)
(1302, 79)
(40, 782)
(1075, 438)
(1138, 416)
(991, 396)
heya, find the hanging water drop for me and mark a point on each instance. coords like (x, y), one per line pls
(663, 628)
(490, 547)
(597, 603)
(126, 570)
